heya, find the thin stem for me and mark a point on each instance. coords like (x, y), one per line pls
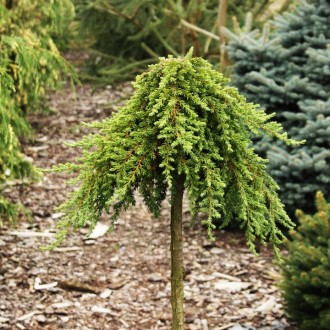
(200, 30)
(177, 293)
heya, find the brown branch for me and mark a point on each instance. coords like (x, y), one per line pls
(131, 152)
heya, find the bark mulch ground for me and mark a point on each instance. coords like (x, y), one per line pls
(120, 280)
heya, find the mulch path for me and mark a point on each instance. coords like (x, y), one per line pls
(120, 280)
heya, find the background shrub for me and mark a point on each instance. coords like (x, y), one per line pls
(127, 35)
(287, 71)
(306, 270)
(30, 64)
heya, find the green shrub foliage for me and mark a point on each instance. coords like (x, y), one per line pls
(30, 64)
(183, 119)
(127, 35)
(287, 72)
(28, 49)
(306, 269)
(13, 164)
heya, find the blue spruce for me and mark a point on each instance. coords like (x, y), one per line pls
(287, 71)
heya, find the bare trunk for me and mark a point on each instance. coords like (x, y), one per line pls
(177, 294)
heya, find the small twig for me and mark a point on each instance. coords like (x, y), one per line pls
(149, 50)
(198, 29)
(225, 326)
(165, 43)
(67, 249)
(28, 316)
(29, 234)
(76, 286)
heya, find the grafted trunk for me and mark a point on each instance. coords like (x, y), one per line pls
(177, 294)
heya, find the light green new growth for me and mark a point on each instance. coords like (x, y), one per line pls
(183, 119)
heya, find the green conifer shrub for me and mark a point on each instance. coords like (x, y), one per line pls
(127, 35)
(28, 49)
(286, 70)
(306, 269)
(183, 129)
(13, 164)
(30, 64)
(44, 18)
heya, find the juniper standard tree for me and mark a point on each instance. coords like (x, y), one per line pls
(287, 71)
(183, 129)
(306, 269)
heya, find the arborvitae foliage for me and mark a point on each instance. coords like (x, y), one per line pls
(29, 65)
(127, 35)
(306, 269)
(287, 72)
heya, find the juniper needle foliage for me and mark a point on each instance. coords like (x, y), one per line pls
(183, 120)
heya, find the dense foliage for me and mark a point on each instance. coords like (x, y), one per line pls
(287, 71)
(12, 162)
(306, 269)
(127, 35)
(28, 49)
(30, 63)
(183, 119)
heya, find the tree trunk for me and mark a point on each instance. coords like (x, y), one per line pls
(9, 4)
(177, 256)
(222, 18)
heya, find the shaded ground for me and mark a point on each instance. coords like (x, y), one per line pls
(121, 280)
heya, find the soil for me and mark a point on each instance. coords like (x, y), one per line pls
(120, 280)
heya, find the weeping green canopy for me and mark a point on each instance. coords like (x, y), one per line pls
(183, 119)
